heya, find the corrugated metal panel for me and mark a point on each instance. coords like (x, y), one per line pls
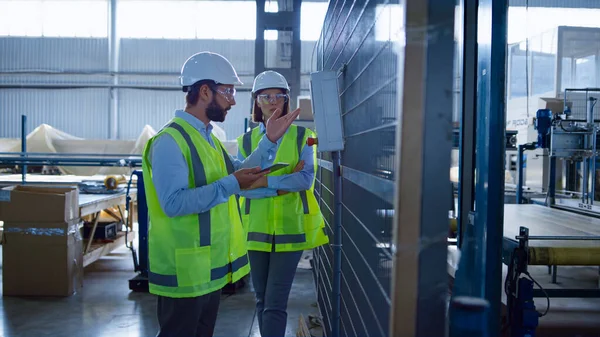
(54, 54)
(80, 112)
(138, 108)
(153, 55)
(357, 35)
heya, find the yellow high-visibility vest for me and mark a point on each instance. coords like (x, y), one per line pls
(291, 221)
(195, 254)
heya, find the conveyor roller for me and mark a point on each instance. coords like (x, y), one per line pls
(564, 256)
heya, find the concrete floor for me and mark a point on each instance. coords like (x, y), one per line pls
(106, 307)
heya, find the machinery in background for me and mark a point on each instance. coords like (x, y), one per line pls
(572, 137)
(522, 317)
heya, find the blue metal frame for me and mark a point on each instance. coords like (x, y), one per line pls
(23, 146)
(140, 282)
(466, 174)
(489, 190)
(480, 269)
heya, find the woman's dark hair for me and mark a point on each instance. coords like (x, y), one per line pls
(193, 91)
(257, 114)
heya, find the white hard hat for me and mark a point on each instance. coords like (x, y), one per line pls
(208, 66)
(269, 79)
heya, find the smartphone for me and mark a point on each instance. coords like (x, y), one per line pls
(275, 167)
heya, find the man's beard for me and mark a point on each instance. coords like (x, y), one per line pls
(215, 113)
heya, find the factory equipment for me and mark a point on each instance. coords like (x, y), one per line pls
(573, 137)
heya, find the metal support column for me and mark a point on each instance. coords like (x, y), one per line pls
(337, 245)
(23, 147)
(140, 282)
(520, 175)
(491, 143)
(552, 183)
(423, 149)
(113, 64)
(285, 53)
(466, 175)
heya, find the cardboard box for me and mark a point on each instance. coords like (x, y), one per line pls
(305, 109)
(34, 203)
(42, 259)
(556, 105)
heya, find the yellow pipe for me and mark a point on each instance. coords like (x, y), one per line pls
(112, 182)
(564, 256)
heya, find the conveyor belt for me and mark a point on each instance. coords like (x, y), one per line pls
(546, 221)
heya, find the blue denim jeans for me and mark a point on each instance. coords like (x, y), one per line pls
(272, 276)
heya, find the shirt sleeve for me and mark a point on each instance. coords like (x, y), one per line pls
(299, 181)
(170, 177)
(259, 193)
(255, 158)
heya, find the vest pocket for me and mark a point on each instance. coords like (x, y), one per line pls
(193, 266)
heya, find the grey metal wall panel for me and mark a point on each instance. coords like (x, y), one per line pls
(138, 108)
(53, 54)
(89, 55)
(79, 112)
(353, 33)
(154, 55)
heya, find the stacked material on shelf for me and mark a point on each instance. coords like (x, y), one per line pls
(46, 139)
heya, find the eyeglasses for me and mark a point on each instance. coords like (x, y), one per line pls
(276, 98)
(228, 93)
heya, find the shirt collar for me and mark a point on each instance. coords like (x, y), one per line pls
(195, 122)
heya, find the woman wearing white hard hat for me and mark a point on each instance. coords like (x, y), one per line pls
(282, 216)
(196, 241)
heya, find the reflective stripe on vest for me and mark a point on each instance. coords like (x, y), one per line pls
(215, 273)
(204, 218)
(247, 146)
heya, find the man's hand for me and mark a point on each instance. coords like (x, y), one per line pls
(299, 167)
(247, 177)
(261, 182)
(277, 125)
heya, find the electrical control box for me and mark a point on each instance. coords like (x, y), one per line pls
(327, 111)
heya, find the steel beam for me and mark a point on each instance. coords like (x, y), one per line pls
(287, 20)
(466, 173)
(556, 3)
(423, 147)
(490, 155)
(113, 64)
(99, 86)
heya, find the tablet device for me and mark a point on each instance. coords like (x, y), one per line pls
(275, 167)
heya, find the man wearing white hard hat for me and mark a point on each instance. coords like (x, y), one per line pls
(196, 242)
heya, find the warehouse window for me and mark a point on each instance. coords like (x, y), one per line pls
(172, 19)
(524, 22)
(221, 20)
(312, 15)
(389, 22)
(54, 18)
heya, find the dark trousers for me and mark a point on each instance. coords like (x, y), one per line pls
(188, 317)
(272, 276)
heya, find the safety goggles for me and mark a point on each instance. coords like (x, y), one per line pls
(228, 93)
(273, 98)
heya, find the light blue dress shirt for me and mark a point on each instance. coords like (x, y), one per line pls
(295, 182)
(170, 173)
